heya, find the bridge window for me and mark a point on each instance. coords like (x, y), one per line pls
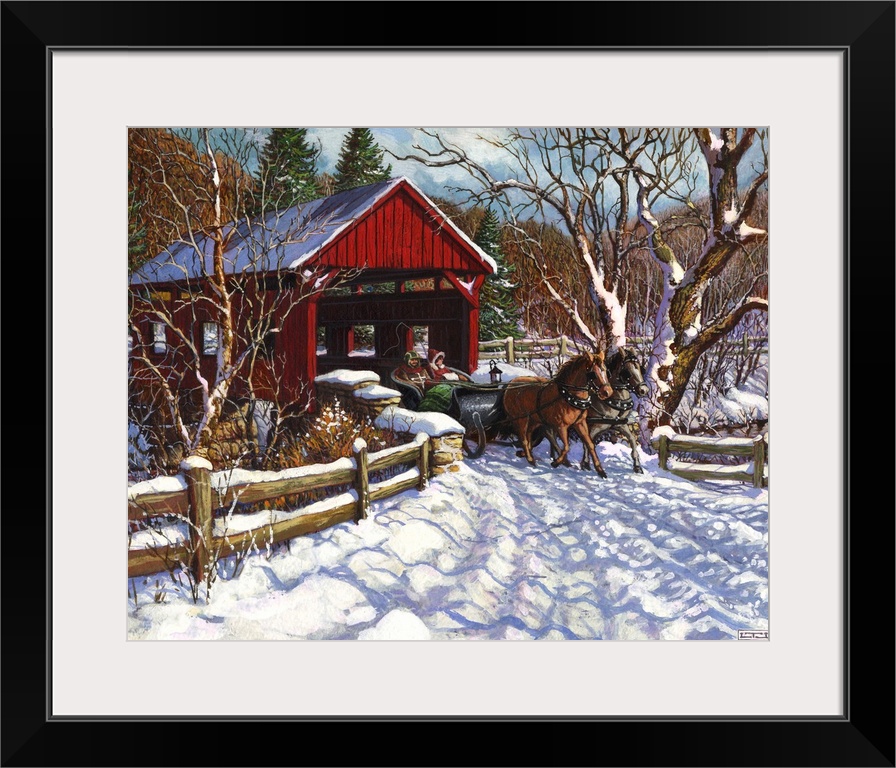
(280, 282)
(209, 338)
(321, 340)
(159, 339)
(363, 342)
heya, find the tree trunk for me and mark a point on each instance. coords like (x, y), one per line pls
(680, 336)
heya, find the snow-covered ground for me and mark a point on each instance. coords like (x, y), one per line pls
(501, 550)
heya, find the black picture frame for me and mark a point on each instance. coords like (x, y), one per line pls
(864, 735)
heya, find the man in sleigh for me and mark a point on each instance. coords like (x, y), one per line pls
(433, 381)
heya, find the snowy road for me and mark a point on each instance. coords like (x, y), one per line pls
(502, 550)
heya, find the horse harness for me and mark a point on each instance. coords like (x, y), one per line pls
(566, 393)
(624, 406)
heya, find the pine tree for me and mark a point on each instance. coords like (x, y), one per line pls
(499, 316)
(360, 161)
(287, 168)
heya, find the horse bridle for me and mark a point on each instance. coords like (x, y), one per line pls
(623, 405)
(623, 368)
(592, 386)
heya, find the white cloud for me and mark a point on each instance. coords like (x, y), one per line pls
(399, 140)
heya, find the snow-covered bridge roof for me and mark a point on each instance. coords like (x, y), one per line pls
(288, 238)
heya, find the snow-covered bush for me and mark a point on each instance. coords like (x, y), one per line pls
(329, 435)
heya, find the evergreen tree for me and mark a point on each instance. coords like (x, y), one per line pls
(360, 161)
(287, 168)
(499, 316)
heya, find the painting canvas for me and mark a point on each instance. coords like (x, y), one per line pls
(448, 383)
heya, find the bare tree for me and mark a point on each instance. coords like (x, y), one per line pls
(683, 332)
(603, 187)
(559, 174)
(205, 313)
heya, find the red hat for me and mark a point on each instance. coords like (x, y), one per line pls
(433, 356)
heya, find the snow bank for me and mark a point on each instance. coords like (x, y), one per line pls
(345, 376)
(417, 540)
(741, 406)
(428, 423)
(376, 392)
(499, 550)
(397, 625)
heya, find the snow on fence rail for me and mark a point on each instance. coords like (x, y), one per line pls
(755, 472)
(510, 349)
(192, 501)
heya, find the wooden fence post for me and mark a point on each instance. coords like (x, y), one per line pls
(423, 464)
(362, 479)
(508, 347)
(564, 346)
(758, 460)
(199, 492)
(664, 451)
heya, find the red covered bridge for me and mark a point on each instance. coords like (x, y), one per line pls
(400, 264)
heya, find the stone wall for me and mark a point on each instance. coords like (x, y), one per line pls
(234, 439)
(364, 395)
(447, 453)
(361, 392)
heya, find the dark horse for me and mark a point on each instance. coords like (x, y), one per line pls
(615, 414)
(558, 404)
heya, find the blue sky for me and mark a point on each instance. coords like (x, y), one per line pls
(433, 181)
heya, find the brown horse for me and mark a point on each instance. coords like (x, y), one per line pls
(615, 415)
(559, 404)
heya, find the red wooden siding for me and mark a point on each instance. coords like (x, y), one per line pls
(407, 237)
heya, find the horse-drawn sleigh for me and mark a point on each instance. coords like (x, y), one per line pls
(584, 398)
(476, 407)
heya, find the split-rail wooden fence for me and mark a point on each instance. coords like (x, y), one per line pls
(513, 350)
(195, 504)
(754, 472)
